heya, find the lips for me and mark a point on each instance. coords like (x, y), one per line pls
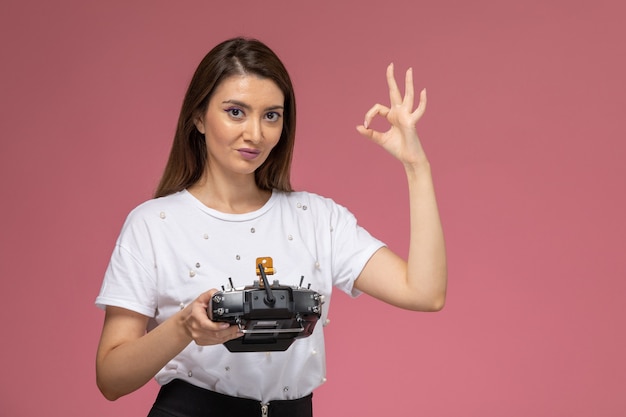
(248, 153)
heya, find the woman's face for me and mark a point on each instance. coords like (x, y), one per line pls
(242, 124)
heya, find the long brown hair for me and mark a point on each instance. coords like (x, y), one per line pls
(188, 156)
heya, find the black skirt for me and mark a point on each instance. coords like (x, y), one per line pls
(181, 399)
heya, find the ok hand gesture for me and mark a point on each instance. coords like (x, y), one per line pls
(401, 139)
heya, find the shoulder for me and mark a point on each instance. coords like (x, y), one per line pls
(155, 218)
(155, 211)
(160, 206)
(313, 205)
(307, 200)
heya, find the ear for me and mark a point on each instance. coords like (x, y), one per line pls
(199, 124)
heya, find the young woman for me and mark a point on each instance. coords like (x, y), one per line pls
(225, 199)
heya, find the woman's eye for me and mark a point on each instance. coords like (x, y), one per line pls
(234, 112)
(272, 116)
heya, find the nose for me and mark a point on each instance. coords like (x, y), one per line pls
(253, 131)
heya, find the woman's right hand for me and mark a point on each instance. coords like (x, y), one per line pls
(128, 357)
(203, 330)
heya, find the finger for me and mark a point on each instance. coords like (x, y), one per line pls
(205, 297)
(217, 329)
(372, 134)
(395, 96)
(421, 107)
(208, 338)
(375, 110)
(229, 334)
(235, 334)
(225, 335)
(409, 92)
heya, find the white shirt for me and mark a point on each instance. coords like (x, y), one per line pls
(174, 248)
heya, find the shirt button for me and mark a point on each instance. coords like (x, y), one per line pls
(162, 215)
(192, 274)
(205, 236)
(189, 374)
(252, 230)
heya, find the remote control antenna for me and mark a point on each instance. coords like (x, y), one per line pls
(231, 283)
(269, 295)
(301, 281)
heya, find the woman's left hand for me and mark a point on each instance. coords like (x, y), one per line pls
(420, 282)
(401, 139)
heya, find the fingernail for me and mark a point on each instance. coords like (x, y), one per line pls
(365, 124)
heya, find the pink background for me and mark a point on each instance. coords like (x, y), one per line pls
(524, 130)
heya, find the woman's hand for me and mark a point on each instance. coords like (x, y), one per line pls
(401, 139)
(420, 282)
(203, 330)
(128, 357)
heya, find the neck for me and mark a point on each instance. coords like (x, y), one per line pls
(237, 195)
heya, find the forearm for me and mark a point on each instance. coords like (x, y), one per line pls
(426, 264)
(128, 366)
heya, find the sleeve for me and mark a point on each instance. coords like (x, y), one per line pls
(352, 247)
(129, 281)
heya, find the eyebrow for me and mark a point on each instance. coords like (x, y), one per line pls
(248, 107)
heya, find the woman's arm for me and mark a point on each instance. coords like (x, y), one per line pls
(419, 283)
(128, 357)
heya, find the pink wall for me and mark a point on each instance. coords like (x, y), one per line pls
(525, 132)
